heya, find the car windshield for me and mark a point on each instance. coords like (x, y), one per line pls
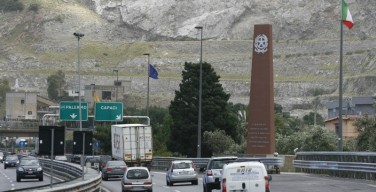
(12, 158)
(137, 174)
(219, 164)
(115, 163)
(27, 162)
(182, 165)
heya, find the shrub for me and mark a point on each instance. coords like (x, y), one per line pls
(11, 5)
(34, 7)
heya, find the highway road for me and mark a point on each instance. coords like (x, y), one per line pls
(284, 182)
(8, 180)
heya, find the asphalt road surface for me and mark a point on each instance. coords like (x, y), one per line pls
(284, 182)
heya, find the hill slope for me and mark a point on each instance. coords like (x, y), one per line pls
(35, 44)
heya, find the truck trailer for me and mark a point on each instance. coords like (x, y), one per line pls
(132, 143)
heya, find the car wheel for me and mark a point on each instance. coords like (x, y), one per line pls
(171, 183)
(5, 167)
(41, 178)
(104, 177)
(203, 186)
(167, 183)
(208, 188)
(18, 179)
(195, 182)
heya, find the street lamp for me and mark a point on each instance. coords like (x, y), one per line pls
(116, 83)
(93, 99)
(147, 100)
(199, 99)
(79, 36)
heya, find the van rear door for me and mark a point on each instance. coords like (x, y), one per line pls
(244, 177)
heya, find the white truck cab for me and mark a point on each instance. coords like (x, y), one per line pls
(248, 176)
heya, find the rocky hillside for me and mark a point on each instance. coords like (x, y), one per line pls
(38, 41)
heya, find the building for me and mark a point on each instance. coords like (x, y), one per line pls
(348, 129)
(352, 106)
(103, 93)
(21, 105)
(352, 109)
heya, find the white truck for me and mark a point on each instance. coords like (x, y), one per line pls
(132, 143)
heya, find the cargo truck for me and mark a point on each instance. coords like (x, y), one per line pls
(132, 143)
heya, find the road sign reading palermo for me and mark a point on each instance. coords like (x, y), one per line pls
(69, 111)
(109, 111)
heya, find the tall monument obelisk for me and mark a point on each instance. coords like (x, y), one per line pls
(261, 130)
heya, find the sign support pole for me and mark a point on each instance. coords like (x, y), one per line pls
(52, 155)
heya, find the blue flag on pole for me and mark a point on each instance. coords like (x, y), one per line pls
(153, 73)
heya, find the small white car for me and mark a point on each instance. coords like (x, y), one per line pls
(181, 171)
(245, 176)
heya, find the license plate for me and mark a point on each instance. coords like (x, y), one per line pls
(184, 172)
(30, 172)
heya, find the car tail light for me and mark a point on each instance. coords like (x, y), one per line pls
(109, 169)
(147, 183)
(124, 168)
(224, 188)
(209, 173)
(266, 182)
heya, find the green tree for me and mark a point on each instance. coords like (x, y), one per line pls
(309, 119)
(216, 114)
(4, 88)
(103, 135)
(308, 139)
(366, 127)
(56, 86)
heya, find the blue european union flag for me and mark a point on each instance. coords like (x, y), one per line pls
(153, 73)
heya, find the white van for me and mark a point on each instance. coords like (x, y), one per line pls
(248, 176)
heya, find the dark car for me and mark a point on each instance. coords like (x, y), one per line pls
(213, 172)
(92, 161)
(29, 168)
(113, 169)
(103, 160)
(11, 161)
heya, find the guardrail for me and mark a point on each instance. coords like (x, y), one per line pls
(161, 163)
(355, 165)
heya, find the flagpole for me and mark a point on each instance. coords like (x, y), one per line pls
(147, 102)
(340, 148)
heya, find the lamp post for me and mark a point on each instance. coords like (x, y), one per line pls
(199, 99)
(147, 100)
(116, 83)
(94, 99)
(79, 36)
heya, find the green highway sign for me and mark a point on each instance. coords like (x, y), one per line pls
(109, 111)
(70, 111)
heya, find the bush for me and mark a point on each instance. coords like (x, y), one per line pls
(11, 5)
(34, 7)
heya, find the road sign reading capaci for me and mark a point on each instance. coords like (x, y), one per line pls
(70, 111)
(109, 111)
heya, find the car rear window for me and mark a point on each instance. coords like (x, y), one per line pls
(182, 165)
(218, 164)
(116, 163)
(137, 174)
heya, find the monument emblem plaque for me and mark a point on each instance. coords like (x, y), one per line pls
(261, 130)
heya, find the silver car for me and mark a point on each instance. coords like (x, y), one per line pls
(181, 171)
(137, 179)
(113, 169)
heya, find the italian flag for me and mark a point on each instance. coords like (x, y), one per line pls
(346, 15)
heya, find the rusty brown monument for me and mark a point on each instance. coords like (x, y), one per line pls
(261, 130)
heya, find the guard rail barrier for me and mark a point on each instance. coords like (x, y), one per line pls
(355, 165)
